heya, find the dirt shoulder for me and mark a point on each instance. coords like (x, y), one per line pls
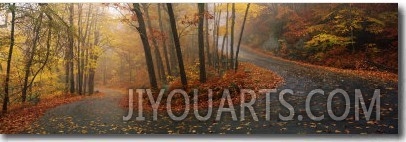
(383, 76)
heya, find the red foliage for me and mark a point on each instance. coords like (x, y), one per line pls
(248, 76)
(297, 26)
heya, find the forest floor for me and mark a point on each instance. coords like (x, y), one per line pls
(248, 76)
(104, 115)
(21, 115)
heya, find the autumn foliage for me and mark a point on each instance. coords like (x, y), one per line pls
(248, 76)
(348, 36)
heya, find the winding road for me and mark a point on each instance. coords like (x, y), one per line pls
(104, 116)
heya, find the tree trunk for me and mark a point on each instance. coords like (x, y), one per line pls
(214, 29)
(172, 49)
(27, 68)
(239, 40)
(216, 51)
(91, 81)
(48, 47)
(232, 35)
(206, 7)
(79, 51)
(92, 69)
(177, 45)
(148, 57)
(66, 61)
(224, 39)
(201, 44)
(85, 52)
(159, 62)
(71, 45)
(173, 57)
(161, 28)
(92, 56)
(10, 54)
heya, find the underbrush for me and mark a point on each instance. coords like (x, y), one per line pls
(248, 76)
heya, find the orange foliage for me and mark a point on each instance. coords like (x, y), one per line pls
(248, 76)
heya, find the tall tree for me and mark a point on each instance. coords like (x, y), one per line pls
(177, 44)
(93, 56)
(161, 28)
(232, 35)
(10, 55)
(216, 51)
(66, 59)
(172, 51)
(28, 64)
(48, 46)
(206, 7)
(79, 50)
(201, 43)
(158, 58)
(70, 48)
(85, 51)
(224, 39)
(241, 34)
(214, 28)
(144, 38)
